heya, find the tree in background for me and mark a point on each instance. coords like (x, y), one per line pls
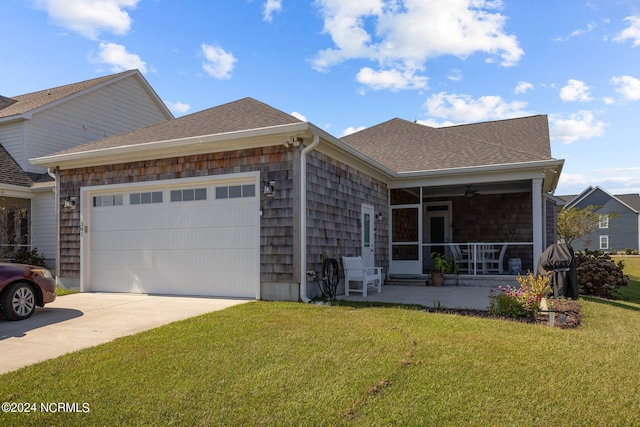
(574, 223)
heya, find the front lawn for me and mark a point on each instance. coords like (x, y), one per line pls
(293, 364)
(631, 269)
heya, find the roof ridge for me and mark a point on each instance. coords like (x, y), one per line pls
(494, 121)
(494, 144)
(95, 80)
(41, 99)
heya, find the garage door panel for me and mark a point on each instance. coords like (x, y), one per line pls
(212, 260)
(199, 282)
(193, 239)
(206, 247)
(174, 218)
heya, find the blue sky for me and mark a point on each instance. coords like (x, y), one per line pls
(345, 65)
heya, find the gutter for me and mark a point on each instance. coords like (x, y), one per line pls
(53, 173)
(303, 217)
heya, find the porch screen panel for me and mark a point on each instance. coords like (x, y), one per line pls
(405, 234)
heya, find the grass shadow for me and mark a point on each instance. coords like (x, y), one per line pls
(613, 303)
(372, 304)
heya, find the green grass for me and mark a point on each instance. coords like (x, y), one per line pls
(266, 363)
(632, 269)
(65, 291)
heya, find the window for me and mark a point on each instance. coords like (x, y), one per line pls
(145, 198)
(107, 200)
(235, 191)
(189, 194)
(603, 221)
(604, 242)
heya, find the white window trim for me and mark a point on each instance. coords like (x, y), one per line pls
(604, 239)
(603, 221)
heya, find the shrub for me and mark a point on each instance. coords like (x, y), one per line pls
(523, 301)
(24, 256)
(598, 274)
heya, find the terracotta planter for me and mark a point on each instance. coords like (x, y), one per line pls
(437, 278)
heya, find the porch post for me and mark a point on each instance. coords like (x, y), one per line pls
(536, 210)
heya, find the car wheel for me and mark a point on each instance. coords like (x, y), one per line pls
(18, 301)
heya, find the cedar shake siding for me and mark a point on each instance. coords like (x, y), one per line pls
(496, 218)
(335, 195)
(276, 222)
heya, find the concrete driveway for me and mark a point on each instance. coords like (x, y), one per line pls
(77, 321)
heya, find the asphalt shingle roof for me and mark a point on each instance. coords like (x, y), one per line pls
(632, 200)
(10, 172)
(406, 146)
(243, 114)
(22, 104)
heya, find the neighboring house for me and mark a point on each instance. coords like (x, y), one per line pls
(51, 120)
(244, 200)
(619, 225)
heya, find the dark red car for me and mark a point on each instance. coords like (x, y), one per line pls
(22, 288)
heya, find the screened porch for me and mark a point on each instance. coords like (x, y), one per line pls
(484, 229)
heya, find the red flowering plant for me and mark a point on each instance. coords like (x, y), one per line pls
(523, 301)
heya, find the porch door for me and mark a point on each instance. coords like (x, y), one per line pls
(368, 236)
(406, 225)
(437, 230)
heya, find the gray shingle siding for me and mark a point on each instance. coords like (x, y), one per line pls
(623, 224)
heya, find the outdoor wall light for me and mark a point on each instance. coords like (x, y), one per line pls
(269, 188)
(294, 140)
(70, 203)
(379, 216)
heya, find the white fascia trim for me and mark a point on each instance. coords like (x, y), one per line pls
(482, 174)
(484, 168)
(585, 193)
(16, 118)
(181, 146)
(17, 191)
(591, 190)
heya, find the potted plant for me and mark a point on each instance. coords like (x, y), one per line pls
(441, 266)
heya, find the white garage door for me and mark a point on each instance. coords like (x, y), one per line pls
(191, 237)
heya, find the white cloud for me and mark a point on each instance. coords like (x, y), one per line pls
(350, 130)
(522, 87)
(178, 107)
(299, 116)
(403, 35)
(270, 7)
(575, 90)
(608, 100)
(577, 126)
(391, 79)
(455, 75)
(219, 63)
(436, 124)
(627, 86)
(623, 180)
(117, 57)
(464, 108)
(575, 33)
(632, 32)
(90, 17)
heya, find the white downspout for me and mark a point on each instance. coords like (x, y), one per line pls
(53, 174)
(303, 218)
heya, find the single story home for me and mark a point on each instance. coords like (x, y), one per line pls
(619, 220)
(244, 200)
(51, 120)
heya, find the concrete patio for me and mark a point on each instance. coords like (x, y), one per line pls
(473, 297)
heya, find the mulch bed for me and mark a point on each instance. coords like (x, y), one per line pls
(568, 314)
